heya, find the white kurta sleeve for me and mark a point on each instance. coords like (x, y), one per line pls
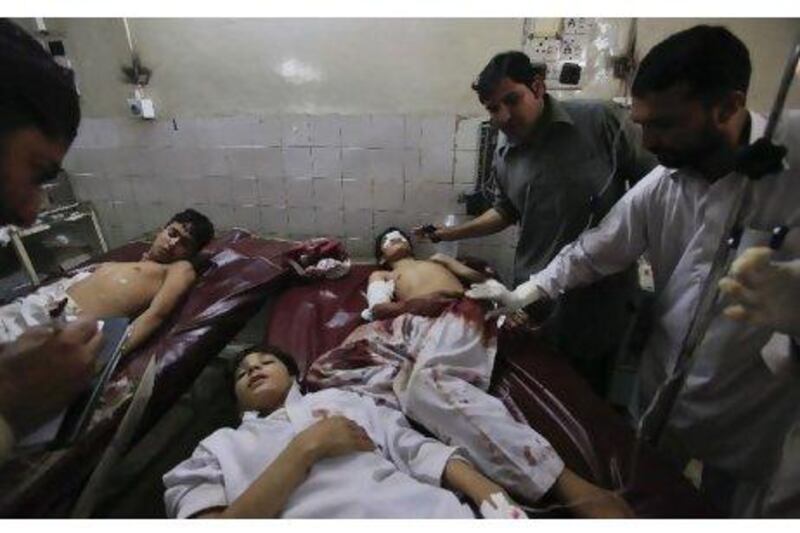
(612, 246)
(194, 485)
(421, 457)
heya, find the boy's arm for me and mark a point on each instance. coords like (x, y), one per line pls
(462, 477)
(267, 496)
(458, 268)
(178, 280)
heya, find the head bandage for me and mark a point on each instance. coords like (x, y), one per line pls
(392, 236)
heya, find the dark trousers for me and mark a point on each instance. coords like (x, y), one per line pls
(588, 326)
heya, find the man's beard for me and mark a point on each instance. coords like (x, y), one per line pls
(710, 141)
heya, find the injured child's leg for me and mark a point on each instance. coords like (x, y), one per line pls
(458, 413)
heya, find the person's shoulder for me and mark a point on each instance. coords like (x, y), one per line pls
(183, 268)
(595, 109)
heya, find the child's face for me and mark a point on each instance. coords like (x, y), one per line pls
(262, 383)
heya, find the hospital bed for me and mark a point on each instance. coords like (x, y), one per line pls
(534, 383)
(238, 272)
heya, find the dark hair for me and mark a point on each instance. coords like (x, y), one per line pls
(34, 89)
(200, 227)
(379, 239)
(710, 59)
(287, 360)
(514, 65)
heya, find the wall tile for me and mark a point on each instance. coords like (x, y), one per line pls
(355, 163)
(296, 130)
(195, 191)
(301, 221)
(120, 188)
(274, 220)
(219, 190)
(388, 195)
(360, 248)
(436, 165)
(297, 162)
(325, 130)
(411, 165)
(413, 132)
(328, 193)
(326, 162)
(385, 219)
(300, 192)
(244, 191)
(254, 161)
(358, 223)
(272, 191)
(268, 131)
(357, 194)
(248, 217)
(386, 131)
(467, 133)
(355, 130)
(85, 161)
(386, 164)
(438, 133)
(465, 166)
(329, 223)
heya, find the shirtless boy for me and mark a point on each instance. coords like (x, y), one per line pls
(147, 289)
(430, 353)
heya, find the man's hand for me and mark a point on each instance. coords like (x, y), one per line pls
(334, 436)
(764, 292)
(424, 232)
(510, 301)
(44, 370)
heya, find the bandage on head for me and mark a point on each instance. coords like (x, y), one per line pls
(393, 236)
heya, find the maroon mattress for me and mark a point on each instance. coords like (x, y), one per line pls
(534, 383)
(237, 274)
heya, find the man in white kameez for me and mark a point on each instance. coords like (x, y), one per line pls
(741, 395)
(330, 454)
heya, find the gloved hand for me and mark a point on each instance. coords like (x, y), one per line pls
(764, 292)
(509, 301)
(501, 507)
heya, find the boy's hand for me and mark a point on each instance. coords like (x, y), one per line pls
(335, 436)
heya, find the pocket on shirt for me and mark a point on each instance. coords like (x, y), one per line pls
(788, 249)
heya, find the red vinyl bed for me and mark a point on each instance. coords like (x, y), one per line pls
(239, 273)
(536, 385)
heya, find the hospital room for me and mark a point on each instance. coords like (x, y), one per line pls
(362, 263)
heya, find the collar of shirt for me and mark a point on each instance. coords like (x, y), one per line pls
(553, 113)
(758, 124)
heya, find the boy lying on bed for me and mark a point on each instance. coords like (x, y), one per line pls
(429, 352)
(147, 289)
(329, 454)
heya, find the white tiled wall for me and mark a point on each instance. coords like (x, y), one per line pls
(293, 176)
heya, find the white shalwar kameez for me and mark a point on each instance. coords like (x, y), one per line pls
(400, 479)
(742, 394)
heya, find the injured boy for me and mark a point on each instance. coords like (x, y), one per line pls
(329, 454)
(429, 352)
(147, 289)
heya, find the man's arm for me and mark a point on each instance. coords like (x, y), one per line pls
(267, 496)
(41, 373)
(179, 278)
(619, 239)
(458, 268)
(489, 223)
